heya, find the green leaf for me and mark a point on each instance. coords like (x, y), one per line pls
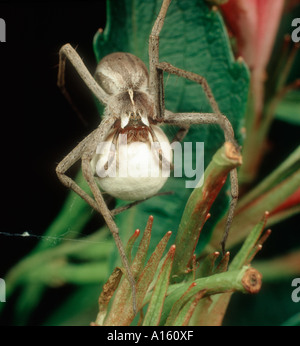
(289, 166)
(140, 257)
(293, 321)
(121, 312)
(80, 273)
(179, 303)
(155, 306)
(186, 312)
(72, 218)
(193, 38)
(107, 292)
(207, 264)
(288, 109)
(148, 273)
(266, 196)
(198, 205)
(240, 259)
(219, 303)
(78, 309)
(280, 268)
(123, 297)
(28, 300)
(130, 244)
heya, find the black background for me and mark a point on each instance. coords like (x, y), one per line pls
(38, 126)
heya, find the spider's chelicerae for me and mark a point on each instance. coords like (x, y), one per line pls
(134, 106)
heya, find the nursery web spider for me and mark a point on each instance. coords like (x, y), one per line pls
(134, 104)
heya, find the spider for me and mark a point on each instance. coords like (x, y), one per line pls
(134, 105)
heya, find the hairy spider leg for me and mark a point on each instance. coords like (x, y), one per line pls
(85, 150)
(156, 87)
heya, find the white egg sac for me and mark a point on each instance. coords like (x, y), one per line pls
(132, 170)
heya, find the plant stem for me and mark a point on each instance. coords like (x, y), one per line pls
(199, 204)
(245, 280)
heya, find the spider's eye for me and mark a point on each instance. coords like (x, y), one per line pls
(131, 114)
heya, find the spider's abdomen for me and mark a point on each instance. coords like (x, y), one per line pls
(118, 72)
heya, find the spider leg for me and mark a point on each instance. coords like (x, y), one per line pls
(155, 74)
(222, 121)
(111, 154)
(183, 119)
(132, 204)
(107, 215)
(68, 162)
(96, 136)
(68, 52)
(181, 133)
(85, 150)
(161, 156)
(219, 119)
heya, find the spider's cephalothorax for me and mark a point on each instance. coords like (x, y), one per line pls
(134, 136)
(124, 78)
